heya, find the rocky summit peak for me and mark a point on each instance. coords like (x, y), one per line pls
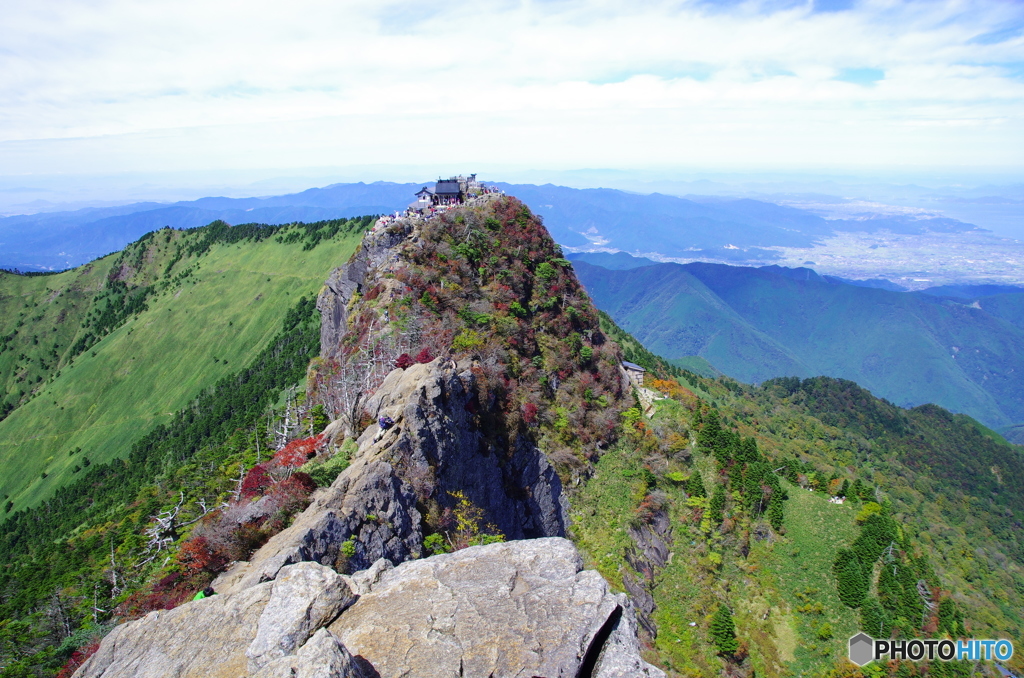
(469, 379)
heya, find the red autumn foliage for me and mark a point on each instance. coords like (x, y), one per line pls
(257, 480)
(167, 583)
(297, 452)
(424, 356)
(78, 658)
(167, 597)
(298, 481)
(404, 361)
(530, 413)
(196, 555)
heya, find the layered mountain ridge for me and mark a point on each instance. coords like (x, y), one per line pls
(756, 324)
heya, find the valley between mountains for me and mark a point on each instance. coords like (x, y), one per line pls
(410, 447)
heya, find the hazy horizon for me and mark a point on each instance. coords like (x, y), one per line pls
(847, 86)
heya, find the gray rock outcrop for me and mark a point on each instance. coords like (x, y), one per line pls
(523, 608)
(306, 597)
(436, 446)
(323, 656)
(370, 258)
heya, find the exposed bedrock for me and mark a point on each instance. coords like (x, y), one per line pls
(435, 447)
(522, 608)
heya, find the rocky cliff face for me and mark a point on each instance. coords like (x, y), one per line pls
(435, 446)
(523, 608)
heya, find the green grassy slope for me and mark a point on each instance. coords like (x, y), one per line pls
(756, 324)
(213, 311)
(948, 482)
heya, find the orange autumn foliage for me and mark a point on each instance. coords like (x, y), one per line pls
(673, 389)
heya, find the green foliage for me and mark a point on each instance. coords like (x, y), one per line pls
(717, 504)
(471, 253)
(874, 620)
(776, 512)
(324, 473)
(146, 336)
(869, 509)
(723, 632)
(436, 544)
(429, 302)
(40, 548)
(320, 418)
(546, 272)
(852, 580)
(695, 485)
(467, 340)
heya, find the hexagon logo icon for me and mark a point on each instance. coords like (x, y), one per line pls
(862, 649)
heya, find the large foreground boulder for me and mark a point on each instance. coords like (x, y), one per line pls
(523, 608)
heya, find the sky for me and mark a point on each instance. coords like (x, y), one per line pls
(107, 86)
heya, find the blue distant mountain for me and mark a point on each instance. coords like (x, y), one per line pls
(719, 229)
(963, 352)
(729, 230)
(58, 240)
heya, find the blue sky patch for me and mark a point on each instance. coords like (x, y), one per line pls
(1000, 35)
(861, 76)
(832, 5)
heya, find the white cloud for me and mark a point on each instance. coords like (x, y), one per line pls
(113, 84)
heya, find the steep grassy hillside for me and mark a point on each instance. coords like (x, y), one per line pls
(944, 485)
(755, 324)
(129, 339)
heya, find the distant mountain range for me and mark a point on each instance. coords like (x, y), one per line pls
(59, 240)
(720, 229)
(724, 229)
(962, 349)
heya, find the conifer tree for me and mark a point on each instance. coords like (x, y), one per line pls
(889, 590)
(874, 620)
(776, 512)
(748, 451)
(717, 505)
(695, 485)
(851, 579)
(709, 439)
(723, 632)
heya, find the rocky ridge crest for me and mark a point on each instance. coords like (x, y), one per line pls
(469, 424)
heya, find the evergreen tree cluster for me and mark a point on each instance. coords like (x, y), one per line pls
(854, 566)
(723, 632)
(748, 472)
(899, 604)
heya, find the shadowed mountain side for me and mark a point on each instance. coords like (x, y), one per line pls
(674, 314)
(755, 324)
